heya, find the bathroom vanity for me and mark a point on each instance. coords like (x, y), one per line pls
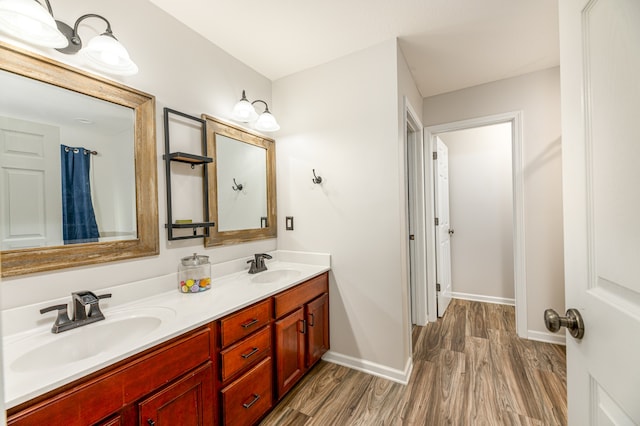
(225, 356)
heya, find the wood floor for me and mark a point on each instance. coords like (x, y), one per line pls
(469, 368)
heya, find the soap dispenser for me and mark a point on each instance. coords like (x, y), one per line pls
(194, 274)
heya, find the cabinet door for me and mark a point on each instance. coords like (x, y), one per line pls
(187, 402)
(290, 349)
(317, 312)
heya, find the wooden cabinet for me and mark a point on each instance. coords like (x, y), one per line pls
(248, 398)
(317, 315)
(246, 369)
(186, 402)
(301, 330)
(290, 350)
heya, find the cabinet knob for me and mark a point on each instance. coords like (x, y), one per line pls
(150, 422)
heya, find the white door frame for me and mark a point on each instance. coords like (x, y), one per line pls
(414, 152)
(515, 118)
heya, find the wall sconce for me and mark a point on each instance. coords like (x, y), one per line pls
(29, 21)
(245, 112)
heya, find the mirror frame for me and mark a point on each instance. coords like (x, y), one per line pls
(32, 260)
(216, 238)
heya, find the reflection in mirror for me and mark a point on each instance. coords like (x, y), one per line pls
(66, 167)
(46, 107)
(242, 185)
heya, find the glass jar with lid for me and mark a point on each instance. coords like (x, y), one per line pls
(194, 274)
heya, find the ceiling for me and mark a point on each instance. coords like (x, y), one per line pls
(448, 44)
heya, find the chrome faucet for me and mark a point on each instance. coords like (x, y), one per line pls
(80, 316)
(257, 264)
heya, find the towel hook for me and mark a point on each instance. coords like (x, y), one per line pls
(316, 179)
(236, 186)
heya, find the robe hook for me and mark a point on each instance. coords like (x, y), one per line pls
(236, 186)
(316, 179)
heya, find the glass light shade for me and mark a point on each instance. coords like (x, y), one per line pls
(266, 123)
(244, 112)
(29, 21)
(107, 54)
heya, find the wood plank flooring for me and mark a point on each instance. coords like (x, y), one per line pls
(469, 368)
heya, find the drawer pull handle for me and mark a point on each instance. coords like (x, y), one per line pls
(304, 327)
(250, 354)
(250, 323)
(312, 323)
(255, 399)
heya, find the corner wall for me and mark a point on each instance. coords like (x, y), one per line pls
(537, 95)
(342, 119)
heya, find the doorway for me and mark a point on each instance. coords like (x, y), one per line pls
(481, 213)
(515, 121)
(416, 208)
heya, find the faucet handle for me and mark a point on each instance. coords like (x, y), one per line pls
(61, 319)
(59, 308)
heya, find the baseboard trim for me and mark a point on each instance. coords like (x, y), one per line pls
(482, 298)
(372, 368)
(540, 336)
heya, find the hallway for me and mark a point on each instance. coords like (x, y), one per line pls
(470, 368)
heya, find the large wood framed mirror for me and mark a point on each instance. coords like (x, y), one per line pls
(242, 184)
(47, 110)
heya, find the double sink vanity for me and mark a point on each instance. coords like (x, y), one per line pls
(224, 356)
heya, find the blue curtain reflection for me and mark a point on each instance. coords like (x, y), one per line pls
(78, 218)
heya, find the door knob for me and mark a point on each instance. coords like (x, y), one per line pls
(573, 322)
(451, 231)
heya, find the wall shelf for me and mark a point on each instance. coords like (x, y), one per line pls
(194, 160)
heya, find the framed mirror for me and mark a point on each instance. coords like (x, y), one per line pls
(67, 135)
(242, 184)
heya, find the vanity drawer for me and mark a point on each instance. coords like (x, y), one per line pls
(248, 398)
(289, 300)
(242, 323)
(245, 353)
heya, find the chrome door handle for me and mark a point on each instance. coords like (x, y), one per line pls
(573, 321)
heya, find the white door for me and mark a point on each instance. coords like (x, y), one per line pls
(31, 212)
(600, 76)
(443, 236)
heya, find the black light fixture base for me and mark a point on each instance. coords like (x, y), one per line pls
(75, 44)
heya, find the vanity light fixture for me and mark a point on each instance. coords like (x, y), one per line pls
(245, 112)
(29, 21)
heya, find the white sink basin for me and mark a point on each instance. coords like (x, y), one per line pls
(275, 276)
(46, 350)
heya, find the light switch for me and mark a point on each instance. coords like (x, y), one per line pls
(289, 223)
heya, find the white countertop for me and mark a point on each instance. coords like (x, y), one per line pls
(25, 329)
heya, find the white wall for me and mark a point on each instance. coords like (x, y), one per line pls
(481, 212)
(342, 119)
(537, 95)
(185, 72)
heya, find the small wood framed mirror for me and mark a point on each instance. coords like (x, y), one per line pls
(242, 184)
